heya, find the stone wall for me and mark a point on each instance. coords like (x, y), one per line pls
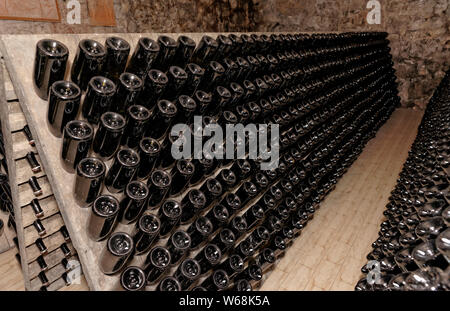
(419, 29)
(419, 34)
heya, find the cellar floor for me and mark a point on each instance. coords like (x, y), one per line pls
(332, 249)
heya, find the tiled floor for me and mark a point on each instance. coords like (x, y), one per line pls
(332, 249)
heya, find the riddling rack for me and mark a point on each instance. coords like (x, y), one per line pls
(58, 262)
(18, 51)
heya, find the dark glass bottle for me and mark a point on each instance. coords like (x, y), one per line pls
(49, 65)
(282, 212)
(143, 57)
(109, 134)
(243, 69)
(116, 253)
(224, 240)
(273, 224)
(218, 281)
(162, 117)
(138, 118)
(246, 192)
(117, 52)
(181, 175)
(63, 105)
(132, 279)
(221, 97)
(430, 228)
(248, 44)
(28, 135)
(177, 80)
(224, 47)
(200, 231)
(178, 245)
(195, 75)
(237, 93)
(88, 63)
(208, 257)
(99, 97)
(212, 190)
(227, 179)
(232, 203)
(278, 245)
(233, 265)
(443, 244)
(187, 273)
(219, 216)
(203, 168)
(123, 170)
(40, 229)
(267, 202)
(239, 226)
(169, 284)
(156, 264)
(260, 236)
(158, 185)
(169, 213)
(203, 100)
(276, 192)
(149, 151)
(205, 51)
(192, 203)
(214, 72)
(186, 107)
(89, 181)
(34, 185)
(265, 259)
(145, 232)
(426, 255)
(76, 144)
(132, 206)
(242, 169)
(167, 50)
(253, 215)
(185, 49)
(155, 84)
(230, 69)
(129, 87)
(253, 274)
(260, 181)
(242, 285)
(37, 209)
(237, 44)
(166, 161)
(43, 249)
(245, 249)
(103, 217)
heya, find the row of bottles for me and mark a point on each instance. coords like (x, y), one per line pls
(211, 224)
(412, 252)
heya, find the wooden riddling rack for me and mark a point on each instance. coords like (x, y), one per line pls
(18, 51)
(9, 235)
(16, 147)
